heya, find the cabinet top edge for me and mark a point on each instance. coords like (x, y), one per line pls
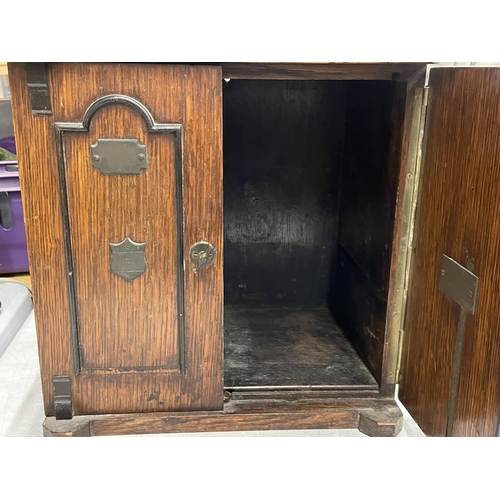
(322, 71)
(310, 70)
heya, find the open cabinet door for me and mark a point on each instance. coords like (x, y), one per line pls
(449, 387)
(122, 169)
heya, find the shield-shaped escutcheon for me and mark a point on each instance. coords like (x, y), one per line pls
(128, 259)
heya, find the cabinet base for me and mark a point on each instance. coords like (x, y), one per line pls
(374, 417)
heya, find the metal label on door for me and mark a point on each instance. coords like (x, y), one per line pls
(458, 283)
(127, 259)
(119, 156)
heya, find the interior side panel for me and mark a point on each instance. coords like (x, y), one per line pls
(366, 216)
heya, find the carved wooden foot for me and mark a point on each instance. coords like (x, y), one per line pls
(381, 423)
(76, 427)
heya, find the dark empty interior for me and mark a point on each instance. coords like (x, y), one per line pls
(309, 195)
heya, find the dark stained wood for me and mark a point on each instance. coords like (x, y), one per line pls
(361, 311)
(283, 143)
(282, 163)
(384, 415)
(459, 207)
(124, 324)
(289, 347)
(302, 393)
(373, 139)
(369, 178)
(320, 71)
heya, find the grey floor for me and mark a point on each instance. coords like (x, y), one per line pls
(21, 408)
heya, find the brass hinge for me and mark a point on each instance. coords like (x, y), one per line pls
(406, 242)
(400, 353)
(401, 335)
(411, 229)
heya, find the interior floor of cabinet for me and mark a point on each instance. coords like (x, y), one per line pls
(290, 346)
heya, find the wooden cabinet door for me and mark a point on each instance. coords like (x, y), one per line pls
(459, 216)
(119, 181)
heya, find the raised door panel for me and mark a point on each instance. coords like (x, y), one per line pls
(136, 181)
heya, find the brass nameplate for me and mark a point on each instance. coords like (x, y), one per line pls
(119, 156)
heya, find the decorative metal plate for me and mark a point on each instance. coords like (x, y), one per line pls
(202, 255)
(119, 156)
(459, 284)
(127, 259)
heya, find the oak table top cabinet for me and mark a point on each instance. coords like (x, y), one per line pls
(262, 246)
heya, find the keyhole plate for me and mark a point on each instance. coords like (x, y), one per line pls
(202, 254)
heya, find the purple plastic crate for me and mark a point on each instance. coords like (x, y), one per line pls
(9, 168)
(13, 252)
(9, 144)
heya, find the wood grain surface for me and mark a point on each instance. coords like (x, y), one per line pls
(320, 71)
(373, 141)
(369, 178)
(126, 326)
(361, 312)
(458, 216)
(38, 173)
(282, 163)
(376, 417)
(289, 346)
